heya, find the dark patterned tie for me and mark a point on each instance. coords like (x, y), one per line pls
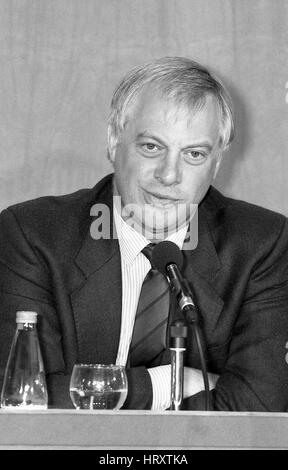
(149, 334)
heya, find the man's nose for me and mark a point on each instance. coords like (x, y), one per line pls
(169, 171)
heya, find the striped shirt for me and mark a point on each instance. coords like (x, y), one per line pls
(134, 267)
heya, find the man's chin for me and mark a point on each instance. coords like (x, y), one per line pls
(157, 223)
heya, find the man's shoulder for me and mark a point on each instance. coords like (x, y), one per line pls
(64, 204)
(243, 219)
(58, 214)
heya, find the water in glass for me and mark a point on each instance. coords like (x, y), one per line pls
(98, 386)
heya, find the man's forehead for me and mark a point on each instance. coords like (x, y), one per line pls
(151, 102)
(167, 119)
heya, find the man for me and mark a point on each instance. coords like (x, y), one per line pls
(170, 123)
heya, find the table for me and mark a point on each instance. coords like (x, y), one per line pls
(81, 429)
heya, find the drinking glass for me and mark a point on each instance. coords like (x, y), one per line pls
(98, 386)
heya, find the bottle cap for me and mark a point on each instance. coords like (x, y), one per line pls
(26, 317)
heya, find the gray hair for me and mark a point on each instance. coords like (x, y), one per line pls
(181, 79)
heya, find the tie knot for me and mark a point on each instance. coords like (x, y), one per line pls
(147, 251)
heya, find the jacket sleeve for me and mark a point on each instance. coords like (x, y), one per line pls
(255, 376)
(25, 284)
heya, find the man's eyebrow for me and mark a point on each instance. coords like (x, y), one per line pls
(149, 136)
(203, 143)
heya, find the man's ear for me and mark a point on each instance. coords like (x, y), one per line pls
(112, 144)
(219, 157)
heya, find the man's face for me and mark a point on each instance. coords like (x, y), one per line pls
(166, 157)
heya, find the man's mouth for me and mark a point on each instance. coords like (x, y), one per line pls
(159, 199)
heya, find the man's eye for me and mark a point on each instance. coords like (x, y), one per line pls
(195, 155)
(150, 147)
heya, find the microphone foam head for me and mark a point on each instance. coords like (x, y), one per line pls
(165, 253)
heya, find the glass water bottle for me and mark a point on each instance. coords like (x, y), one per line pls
(24, 385)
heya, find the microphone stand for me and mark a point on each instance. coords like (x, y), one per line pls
(167, 257)
(181, 289)
(177, 345)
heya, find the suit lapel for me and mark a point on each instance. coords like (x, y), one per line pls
(97, 299)
(202, 268)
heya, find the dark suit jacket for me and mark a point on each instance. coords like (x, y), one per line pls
(239, 275)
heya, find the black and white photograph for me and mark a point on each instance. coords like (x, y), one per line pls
(143, 227)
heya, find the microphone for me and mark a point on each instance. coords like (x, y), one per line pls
(168, 259)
